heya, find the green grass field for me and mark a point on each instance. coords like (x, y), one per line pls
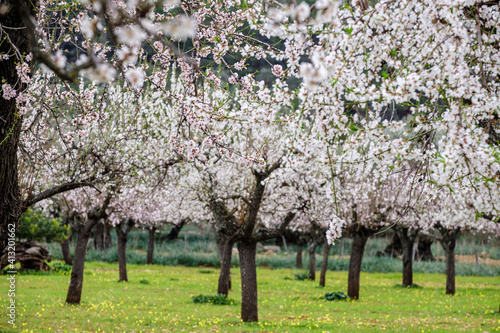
(164, 304)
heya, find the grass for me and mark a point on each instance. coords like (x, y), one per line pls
(165, 304)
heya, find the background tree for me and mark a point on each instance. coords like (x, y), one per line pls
(34, 226)
(94, 207)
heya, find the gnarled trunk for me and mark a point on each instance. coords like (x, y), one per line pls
(122, 237)
(449, 241)
(299, 256)
(324, 264)
(10, 120)
(76, 282)
(225, 248)
(66, 252)
(151, 245)
(247, 250)
(311, 248)
(357, 250)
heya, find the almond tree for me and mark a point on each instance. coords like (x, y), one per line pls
(409, 198)
(249, 202)
(151, 204)
(447, 216)
(313, 182)
(361, 210)
(238, 217)
(92, 208)
(116, 150)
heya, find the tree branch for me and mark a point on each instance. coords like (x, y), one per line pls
(30, 201)
(262, 235)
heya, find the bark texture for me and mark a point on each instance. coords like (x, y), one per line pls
(224, 247)
(225, 239)
(358, 248)
(324, 264)
(10, 120)
(122, 231)
(424, 248)
(122, 255)
(83, 231)
(243, 231)
(247, 251)
(65, 245)
(76, 282)
(394, 249)
(66, 252)
(449, 241)
(176, 229)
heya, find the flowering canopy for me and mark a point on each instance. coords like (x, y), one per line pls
(401, 87)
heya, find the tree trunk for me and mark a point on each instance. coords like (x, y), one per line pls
(450, 271)
(357, 250)
(83, 232)
(176, 229)
(311, 247)
(324, 264)
(407, 263)
(424, 248)
(407, 237)
(151, 245)
(249, 311)
(102, 237)
(225, 248)
(449, 241)
(66, 253)
(394, 249)
(299, 256)
(122, 258)
(76, 282)
(10, 121)
(98, 237)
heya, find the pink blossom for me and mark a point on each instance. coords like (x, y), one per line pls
(23, 71)
(277, 70)
(8, 91)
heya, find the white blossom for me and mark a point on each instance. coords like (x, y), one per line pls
(136, 77)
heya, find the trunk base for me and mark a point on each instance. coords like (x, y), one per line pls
(249, 310)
